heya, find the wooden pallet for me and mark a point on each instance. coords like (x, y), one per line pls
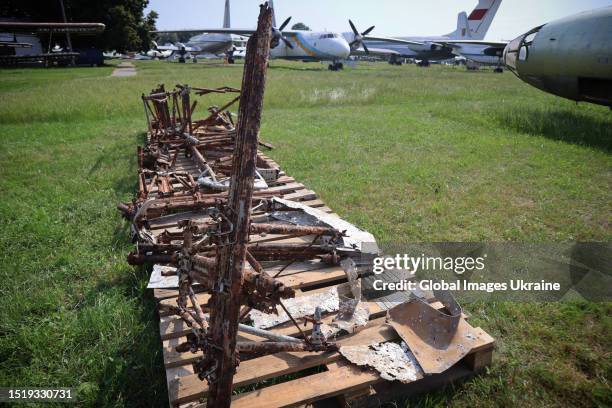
(335, 380)
(295, 379)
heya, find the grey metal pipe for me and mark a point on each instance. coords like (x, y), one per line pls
(267, 334)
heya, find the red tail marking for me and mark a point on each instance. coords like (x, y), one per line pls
(478, 14)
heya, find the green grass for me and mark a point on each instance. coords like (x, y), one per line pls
(410, 154)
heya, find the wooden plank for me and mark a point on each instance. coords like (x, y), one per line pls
(278, 364)
(190, 388)
(308, 389)
(301, 195)
(175, 327)
(305, 266)
(297, 279)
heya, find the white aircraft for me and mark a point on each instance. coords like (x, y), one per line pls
(161, 52)
(472, 27)
(297, 44)
(206, 43)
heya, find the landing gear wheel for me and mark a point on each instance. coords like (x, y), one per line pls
(499, 70)
(335, 66)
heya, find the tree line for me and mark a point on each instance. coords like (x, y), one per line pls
(127, 26)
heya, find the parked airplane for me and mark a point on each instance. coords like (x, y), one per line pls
(570, 57)
(472, 27)
(206, 43)
(301, 45)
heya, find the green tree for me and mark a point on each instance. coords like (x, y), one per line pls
(300, 26)
(127, 27)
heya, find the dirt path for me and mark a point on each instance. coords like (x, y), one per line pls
(124, 69)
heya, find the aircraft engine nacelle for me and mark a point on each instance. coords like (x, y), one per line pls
(567, 57)
(434, 47)
(276, 38)
(493, 51)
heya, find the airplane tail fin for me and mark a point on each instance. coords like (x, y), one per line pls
(154, 45)
(226, 15)
(481, 17)
(463, 29)
(273, 13)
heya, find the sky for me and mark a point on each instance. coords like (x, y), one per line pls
(391, 17)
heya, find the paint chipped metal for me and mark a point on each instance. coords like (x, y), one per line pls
(392, 361)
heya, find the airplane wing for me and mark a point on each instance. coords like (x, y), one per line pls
(391, 39)
(83, 28)
(459, 43)
(374, 51)
(15, 44)
(237, 31)
(173, 47)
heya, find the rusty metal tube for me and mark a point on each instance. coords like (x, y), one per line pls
(292, 229)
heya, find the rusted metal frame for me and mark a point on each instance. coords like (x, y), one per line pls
(292, 229)
(294, 322)
(269, 347)
(173, 162)
(174, 109)
(143, 191)
(205, 267)
(157, 95)
(217, 111)
(167, 253)
(203, 320)
(163, 115)
(146, 111)
(293, 260)
(202, 163)
(226, 298)
(279, 238)
(178, 110)
(154, 120)
(223, 89)
(152, 183)
(164, 185)
(254, 264)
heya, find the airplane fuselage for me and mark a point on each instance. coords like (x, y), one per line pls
(427, 51)
(571, 57)
(214, 43)
(313, 46)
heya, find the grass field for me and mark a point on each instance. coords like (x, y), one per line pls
(410, 154)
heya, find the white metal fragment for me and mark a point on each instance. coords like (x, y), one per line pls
(354, 238)
(159, 281)
(391, 360)
(300, 306)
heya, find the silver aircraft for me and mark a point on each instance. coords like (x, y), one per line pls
(469, 27)
(570, 57)
(206, 43)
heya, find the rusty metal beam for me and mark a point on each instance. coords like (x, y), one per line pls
(226, 298)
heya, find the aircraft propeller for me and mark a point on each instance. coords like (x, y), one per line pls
(358, 38)
(277, 34)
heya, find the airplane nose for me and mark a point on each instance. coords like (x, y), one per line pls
(343, 50)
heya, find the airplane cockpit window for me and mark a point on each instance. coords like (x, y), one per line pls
(518, 49)
(526, 43)
(332, 35)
